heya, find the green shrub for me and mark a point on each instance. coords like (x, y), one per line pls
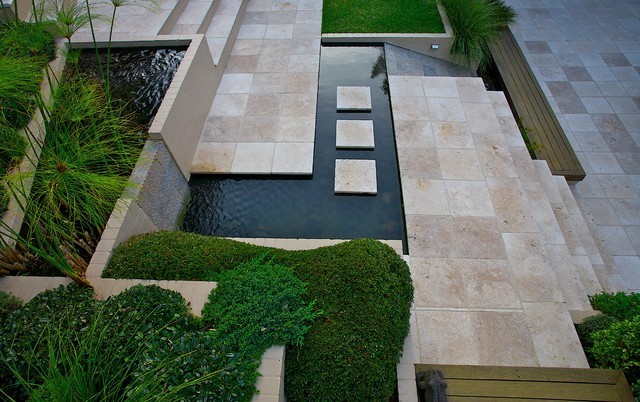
(476, 24)
(8, 303)
(362, 287)
(4, 198)
(19, 85)
(590, 326)
(264, 299)
(26, 39)
(620, 305)
(618, 347)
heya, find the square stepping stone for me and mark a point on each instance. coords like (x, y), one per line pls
(354, 99)
(355, 176)
(354, 134)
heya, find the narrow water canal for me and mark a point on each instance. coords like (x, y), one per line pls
(306, 207)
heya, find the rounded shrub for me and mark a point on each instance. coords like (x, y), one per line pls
(8, 303)
(590, 326)
(618, 347)
(621, 305)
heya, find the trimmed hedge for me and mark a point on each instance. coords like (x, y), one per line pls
(362, 287)
(622, 306)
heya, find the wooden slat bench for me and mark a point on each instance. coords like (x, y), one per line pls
(532, 108)
(483, 383)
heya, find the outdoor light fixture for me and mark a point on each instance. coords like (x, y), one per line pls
(434, 46)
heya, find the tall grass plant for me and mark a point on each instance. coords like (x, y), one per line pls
(476, 24)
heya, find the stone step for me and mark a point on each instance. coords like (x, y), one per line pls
(223, 28)
(543, 200)
(355, 176)
(195, 17)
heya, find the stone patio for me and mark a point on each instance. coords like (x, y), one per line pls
(500, 251)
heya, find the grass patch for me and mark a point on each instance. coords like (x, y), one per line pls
(362, 287)
(381, 16)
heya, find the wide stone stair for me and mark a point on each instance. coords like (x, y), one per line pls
(570, 249)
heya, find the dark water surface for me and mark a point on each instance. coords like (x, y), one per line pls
(139, 77)
(294, 207)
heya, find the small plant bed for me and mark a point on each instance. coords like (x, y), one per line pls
(379, 16)
(611, 340)
(362, 288)
(25, 49)
(144, 345)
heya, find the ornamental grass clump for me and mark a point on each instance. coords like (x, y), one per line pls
(65, 346)
(476, 24)
(19, 88)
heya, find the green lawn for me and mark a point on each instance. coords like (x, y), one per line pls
(381, 16)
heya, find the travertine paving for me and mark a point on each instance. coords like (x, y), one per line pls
(352, 99)
(586, 56)
(263, 117)
(356, 176)
(357, 134)
(494, 279)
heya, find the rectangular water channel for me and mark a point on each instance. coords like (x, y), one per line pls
(306, 207)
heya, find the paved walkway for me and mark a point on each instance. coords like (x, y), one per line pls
(263, 117)
(586, 55)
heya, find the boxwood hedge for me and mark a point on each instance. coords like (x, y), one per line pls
(362, 287)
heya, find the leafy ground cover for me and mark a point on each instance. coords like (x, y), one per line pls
(379, 16)
(612, 340)
(362, 287)
(144, 345)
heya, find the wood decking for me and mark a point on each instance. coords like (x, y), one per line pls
(532, 108)
(484, 383)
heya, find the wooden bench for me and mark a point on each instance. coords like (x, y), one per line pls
(484, 383)
(531, 107)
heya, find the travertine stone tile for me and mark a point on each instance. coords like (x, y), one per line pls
(446, 109)
(213, 157)
(354, 98)
(259, 129)
(419, 163)
(246, 47)
(495, 157)
(301, 82)
(544, 214)
(460, 164)
(511, 132)
(504, 339)
(268, 83)
(253, 31)
(296, 129)
(409, 108)
(472, 90)
(303, 63)
(466, 283)
(293, 158)
(355, 176)
(534, 279)
(481, 118)
(629, 268)
(431, 236)
(298, 104)
(479, 237)
(235, 84)
(279, 31)
(282, 17)
(263, 105)
(546, 321)
(568, 277)
(454, 342)
(221, 129)
(512, 208)
(414, 134)
(526, 170)
(424, 197)
(272, 63)
(354, 134)
(229, 105)
(468, 198)
(500, 103)
(253, 158)
(308, 46)
(406, 86)
(444, 87)
(452, 134)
